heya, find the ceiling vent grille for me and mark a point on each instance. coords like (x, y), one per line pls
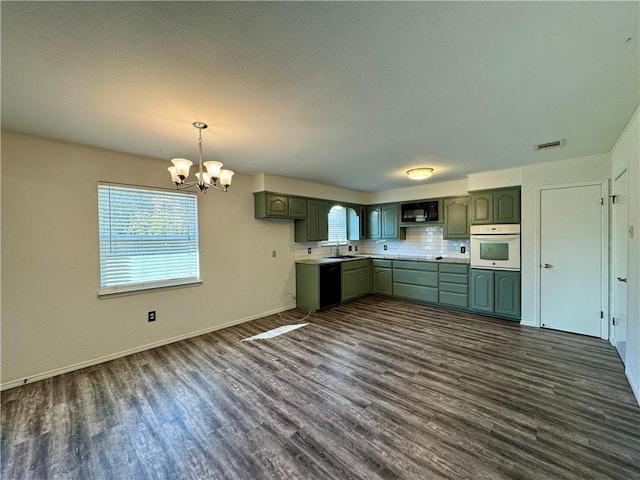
(545, 146)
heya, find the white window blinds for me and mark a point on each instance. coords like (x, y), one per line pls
(148, 238)
(337, 225)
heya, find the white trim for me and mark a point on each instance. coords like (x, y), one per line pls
(635, 386)
(635, 113)
(131, 351)
(604, 266)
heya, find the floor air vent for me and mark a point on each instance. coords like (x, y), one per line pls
(544, 146)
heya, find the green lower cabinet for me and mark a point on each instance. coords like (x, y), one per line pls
(482, 290)
(415, 280)
(453, 285)
(382, 281)
(507, 296)
(496, 292)
(356, 279)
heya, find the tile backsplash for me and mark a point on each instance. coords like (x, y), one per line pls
(420, 242)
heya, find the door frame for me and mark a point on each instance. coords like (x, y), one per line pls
(604, 263)
(612, 299)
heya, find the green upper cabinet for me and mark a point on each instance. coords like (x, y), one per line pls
(315, 227)
(389, 218)
(456, 217)
(482, 208)
(276, 205)
(373, 222)
(297, 207)
(495, 206)
(506, 206)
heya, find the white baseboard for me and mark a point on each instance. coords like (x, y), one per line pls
(635, 386)
(528, 323)
(131, 351)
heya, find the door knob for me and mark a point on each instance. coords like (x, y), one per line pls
(547, 265)
(620, 279)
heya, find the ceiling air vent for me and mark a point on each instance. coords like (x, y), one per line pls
(545, 146)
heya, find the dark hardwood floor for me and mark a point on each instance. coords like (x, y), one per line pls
(375, 389)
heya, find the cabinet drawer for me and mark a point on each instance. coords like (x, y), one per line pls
(416, 277)
(453, 288)
(381, 263)
(454, 268)
(453, 299)
(454, 278)
(415, 292)
(410, 265)
(355, 264)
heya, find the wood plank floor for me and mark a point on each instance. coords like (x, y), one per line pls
(377, 389)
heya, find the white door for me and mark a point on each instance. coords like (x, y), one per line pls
(571, 243)
(620, 225)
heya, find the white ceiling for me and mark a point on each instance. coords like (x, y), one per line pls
(348, 94)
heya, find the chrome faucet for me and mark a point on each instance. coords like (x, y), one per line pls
(337, 248)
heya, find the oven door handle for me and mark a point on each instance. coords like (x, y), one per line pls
(495, 237)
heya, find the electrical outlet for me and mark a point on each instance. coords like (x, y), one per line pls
(309, 251)
(151, 316)
(350, 248)
(273, 254)
(356, 248)
(463, 250)
(385, 247)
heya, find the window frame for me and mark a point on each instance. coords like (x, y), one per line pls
(123, 289)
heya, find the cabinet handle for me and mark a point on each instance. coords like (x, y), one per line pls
(547, 265)
(620, 279)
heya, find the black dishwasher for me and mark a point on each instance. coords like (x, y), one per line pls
(330, 285)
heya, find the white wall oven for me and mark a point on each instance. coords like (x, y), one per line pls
(496, 247)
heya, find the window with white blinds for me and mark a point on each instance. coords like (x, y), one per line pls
(337, 225)
(148, 238)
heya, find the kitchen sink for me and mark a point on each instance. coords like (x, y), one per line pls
(344, 256)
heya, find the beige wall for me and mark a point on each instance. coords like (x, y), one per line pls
(626, 154)
(51, 317)
(295, 186)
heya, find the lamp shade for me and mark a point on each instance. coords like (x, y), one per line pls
(419, 173)
(182, 166)
(225, 177)
(174, 175)
(206, 180)
(213, 168)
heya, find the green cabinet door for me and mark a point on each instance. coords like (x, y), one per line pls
(389, 218)
(456, 217)
(364, 281)
(373, 222)
(507, 295)
(506, 206)
(382, 281)
(323, 221)
(297, 207)
(277, 205)
(482, 208)
(311, 221)
(349, 285)
(481, 290)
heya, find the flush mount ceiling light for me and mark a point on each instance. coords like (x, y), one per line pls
(419, 173)
(204, 180)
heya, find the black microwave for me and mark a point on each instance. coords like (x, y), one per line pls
(419, 212)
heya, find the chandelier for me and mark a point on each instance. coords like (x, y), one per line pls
(204, 180)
